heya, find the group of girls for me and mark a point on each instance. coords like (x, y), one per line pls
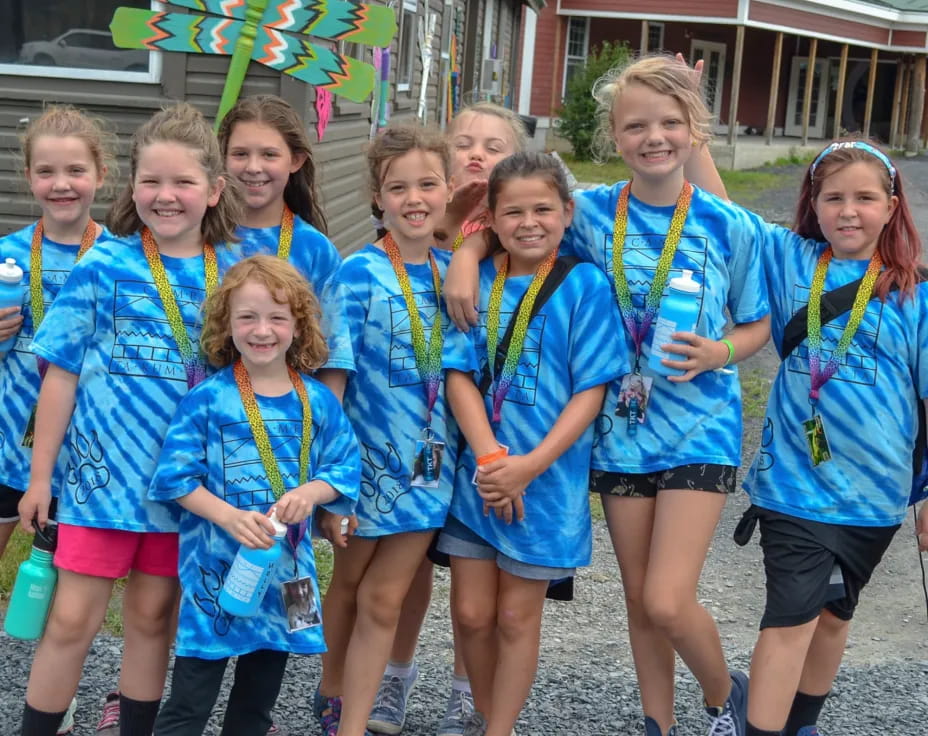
(474, 442)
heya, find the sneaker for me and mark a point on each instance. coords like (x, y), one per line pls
(457, 713)
(731, 718)
(274, 730)
(476, 725)
(67, 720)
(808, 731)
(652, 729)
(329, 712)
(389, 712)
(108, 724)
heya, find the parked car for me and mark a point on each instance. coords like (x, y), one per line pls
(84, 47)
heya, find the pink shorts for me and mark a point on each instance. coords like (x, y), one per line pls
(112, 553)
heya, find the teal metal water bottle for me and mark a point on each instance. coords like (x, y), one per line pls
(679, 312)
(12, 293)
(34, 588)
(250, 575)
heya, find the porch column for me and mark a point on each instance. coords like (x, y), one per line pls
(839, 95)
(897, 104)
(904, 104)
(917, 106)
(735, 87)
(807, 97)
(645, 29)
(871, 83)
(774, 87)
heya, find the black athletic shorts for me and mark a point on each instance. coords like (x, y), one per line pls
(810, 565)
(9, 501)
(697, 477)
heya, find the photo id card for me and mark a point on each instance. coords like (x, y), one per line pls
(426, 466)
(634, 392)
(816, 439)
(300, 604)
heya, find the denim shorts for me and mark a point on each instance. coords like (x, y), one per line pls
(459, 541)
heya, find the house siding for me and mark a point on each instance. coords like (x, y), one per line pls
(648, 8)
(916, 39)
(812, 23)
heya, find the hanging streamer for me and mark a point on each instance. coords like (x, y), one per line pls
(426, 32)
(384, 115)
(323, 111)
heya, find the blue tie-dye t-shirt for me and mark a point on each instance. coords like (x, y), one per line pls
(571, 345)
(210, 444)
(317, 260)
(19, 370)
(869, 407)
(385, 397)
(686, 423)
(108, 326)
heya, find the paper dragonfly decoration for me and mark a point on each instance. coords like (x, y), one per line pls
(271, 32)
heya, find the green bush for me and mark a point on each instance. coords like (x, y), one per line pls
(577, 117)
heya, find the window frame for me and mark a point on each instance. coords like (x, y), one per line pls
(406, 8)
(153, 75)
(652, 24)
(568, 57)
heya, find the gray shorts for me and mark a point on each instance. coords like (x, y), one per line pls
(457, 540)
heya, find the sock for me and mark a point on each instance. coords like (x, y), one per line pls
(755, 731)
(805, 712)
(400, 669)
(137, 717)
(40, 723)
(460, 683)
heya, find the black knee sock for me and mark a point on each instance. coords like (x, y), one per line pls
(40, 723)
(137, 717)
(755, 731)
(805, 712)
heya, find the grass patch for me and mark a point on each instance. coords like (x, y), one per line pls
(596, 507)
(17, 551)
(755, 388)
(324, 561)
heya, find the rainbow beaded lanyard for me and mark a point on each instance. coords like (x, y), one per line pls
(638, 323)
(35, 266)
(428, 357)
(259, 432)
(502, 383)
(819, 375)
(286, 234)
(193, 364)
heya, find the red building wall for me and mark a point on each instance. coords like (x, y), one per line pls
(709, 8)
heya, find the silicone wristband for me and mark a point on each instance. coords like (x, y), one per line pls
(731, 350)
(492, 456)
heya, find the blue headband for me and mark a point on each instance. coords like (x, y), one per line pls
(861, 146)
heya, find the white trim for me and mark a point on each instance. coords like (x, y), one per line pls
(722, 50)
(586, 53)
(406, 6)
(528, 62)
(663, 27)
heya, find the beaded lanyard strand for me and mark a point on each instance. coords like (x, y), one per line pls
(428, 357)
(637, 323)
(193, 365)
(503, 382)
(819, 375)
(286, 234)
(35, 266)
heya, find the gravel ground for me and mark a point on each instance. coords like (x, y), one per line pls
(586, 680)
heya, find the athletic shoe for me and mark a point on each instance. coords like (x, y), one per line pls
(476, 725)
(389, 712)
(652, 729)
(457, 713)
(108, 724)
(808, 731)
(274, 730)
(67, 720)
(731, 718)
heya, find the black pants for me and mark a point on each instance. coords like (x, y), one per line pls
(195, 686)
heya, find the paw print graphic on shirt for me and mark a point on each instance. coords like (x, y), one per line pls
(383, 476)
(90, 474)
(207, 597)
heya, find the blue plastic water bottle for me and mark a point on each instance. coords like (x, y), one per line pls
(34, 587)
(250, 575)
(12, 293)
(679, 313)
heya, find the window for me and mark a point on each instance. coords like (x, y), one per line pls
(406, 61)
(69, 39)
(578, 45)
(655, 36)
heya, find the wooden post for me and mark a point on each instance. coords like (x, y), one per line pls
(839, 96)
(735, 87)
(645, 32)
(916, 110)
(871, 83)
(904, 101)
(807, 97)
(774, 87)
(897, 101)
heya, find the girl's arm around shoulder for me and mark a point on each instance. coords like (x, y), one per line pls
(461, 288)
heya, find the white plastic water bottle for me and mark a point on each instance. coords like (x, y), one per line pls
(12, 293)
(679, 312)
(248, 579)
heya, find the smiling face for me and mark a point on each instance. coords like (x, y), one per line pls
(64, 179)
(171, 192)
(258, 156)
(479, 141)
(413, 195)
(652, 132)
(853, 207)
(262, 329)
(530, 219)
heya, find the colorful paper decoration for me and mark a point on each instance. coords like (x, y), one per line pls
(384, 90)
(268, 31)
(426, 31)
(376, 54)
(323, 110)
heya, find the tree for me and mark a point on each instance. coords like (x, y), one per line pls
(577, 118)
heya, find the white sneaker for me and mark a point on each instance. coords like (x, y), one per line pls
(67, 720)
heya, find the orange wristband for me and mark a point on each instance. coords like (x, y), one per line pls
(492, 456)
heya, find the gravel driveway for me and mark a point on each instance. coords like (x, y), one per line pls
(586, 682)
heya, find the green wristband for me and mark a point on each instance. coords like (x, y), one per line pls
(731, 350)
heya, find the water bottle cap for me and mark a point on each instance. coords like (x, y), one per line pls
(280, 529)
(10, 273)
(46, 539)
(685, 283)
